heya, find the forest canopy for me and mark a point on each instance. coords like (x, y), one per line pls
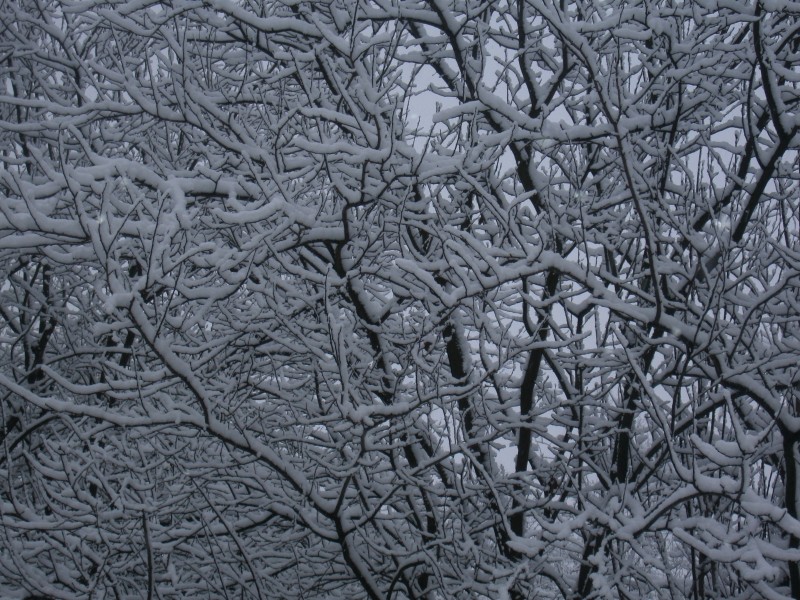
(392, 299)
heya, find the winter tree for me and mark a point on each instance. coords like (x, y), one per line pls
(400, 299)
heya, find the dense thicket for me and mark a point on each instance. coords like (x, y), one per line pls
(400, 299)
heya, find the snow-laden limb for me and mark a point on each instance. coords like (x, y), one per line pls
(408, 299)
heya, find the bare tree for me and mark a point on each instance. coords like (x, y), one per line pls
(400, 299)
